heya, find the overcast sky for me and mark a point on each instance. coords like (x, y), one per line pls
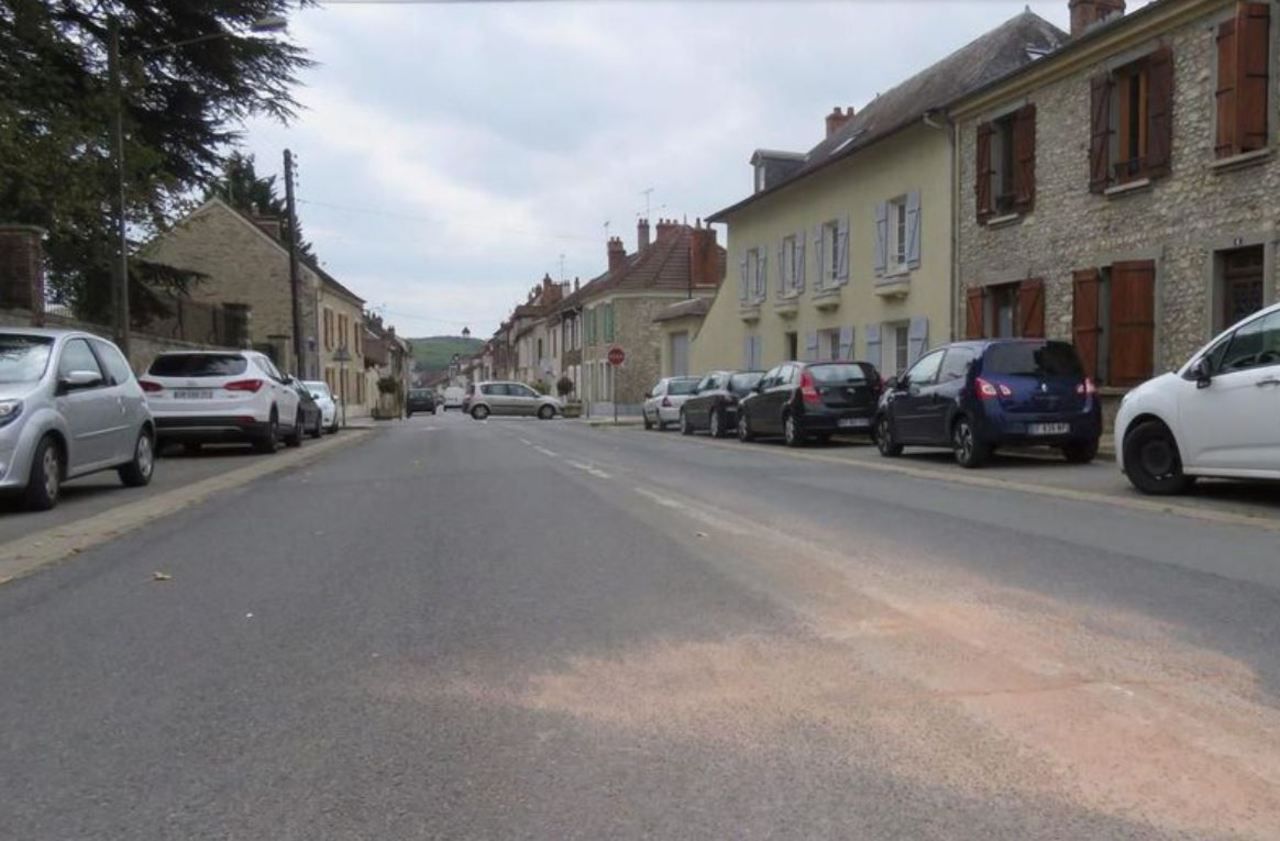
(449, 154)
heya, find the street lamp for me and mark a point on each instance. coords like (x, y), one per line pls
(272, 23)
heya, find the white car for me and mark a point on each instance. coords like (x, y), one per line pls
(212, 396)
(662, 403)
(1219, 415)
(326, 401)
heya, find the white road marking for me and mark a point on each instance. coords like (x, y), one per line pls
(587, 468)
(526, 441)
(545, 451)
(665, 501)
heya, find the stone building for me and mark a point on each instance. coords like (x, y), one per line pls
(1122, 192)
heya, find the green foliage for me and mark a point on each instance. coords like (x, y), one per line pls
(541, 387)
(241, 187)
(564, 386)
(434, 353)
(389, 385)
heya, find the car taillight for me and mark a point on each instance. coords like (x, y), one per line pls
(989, 390)
(666, 402)
(807, 390)
(149, 386)
(244, 385)
(1087, 387)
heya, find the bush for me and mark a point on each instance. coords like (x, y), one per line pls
(388, 385)
(541, 387)
(564, 387)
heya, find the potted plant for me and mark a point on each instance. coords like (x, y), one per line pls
(389, 398)
(564, 388)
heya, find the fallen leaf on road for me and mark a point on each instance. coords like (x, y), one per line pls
(161, 576)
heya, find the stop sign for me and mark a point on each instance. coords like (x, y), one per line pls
(617, 356)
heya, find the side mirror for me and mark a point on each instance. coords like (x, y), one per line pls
(893, 383)
(287, 379)
(759, 388)
(79, 379)
(648, 394)
(1200, 373)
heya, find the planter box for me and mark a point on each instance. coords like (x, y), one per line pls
(572, 410)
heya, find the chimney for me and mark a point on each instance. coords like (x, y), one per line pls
(837, 119)
(665, 228)
(705, 268)
(1086, 13)
(270, 226)
(642, 234)
(576, 284)
(22, 269)
(617, 254)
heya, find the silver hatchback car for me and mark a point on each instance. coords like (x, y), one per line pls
(69, 405)
(508, 398)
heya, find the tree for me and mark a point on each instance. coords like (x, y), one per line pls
(183, 109)
(241, 187)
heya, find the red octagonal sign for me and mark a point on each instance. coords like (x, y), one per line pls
(617, 356)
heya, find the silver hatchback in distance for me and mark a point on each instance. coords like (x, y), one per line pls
(69, 406)
(508, 398)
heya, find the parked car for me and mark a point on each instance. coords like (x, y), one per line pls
(510, 398)
(420, 400)
(810, 401)
(328, 404)
(1219, 415)
(200, 397)
(713, 405)
(662, 402)
(453, 396)
(69, 406)
(312, 415)
(978, 395)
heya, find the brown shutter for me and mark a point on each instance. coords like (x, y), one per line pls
(1132, 334)
(1024, 151)
(975, 310)
(1253, 26)
(1084, 318)
(1100, 133)
(1159, 112)
(1225, 95)
(1031, 308)
(982, 173)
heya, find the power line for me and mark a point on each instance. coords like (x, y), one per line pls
(412, 218)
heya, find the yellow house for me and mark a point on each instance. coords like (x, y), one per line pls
(341, 328)
(846, 252)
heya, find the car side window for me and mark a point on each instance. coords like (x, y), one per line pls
(1254, 345)
(708, 382)
(660, 389)
(770, 379)
(925, 372)
(521, 391)
(77, 356)
(117, 368)
(955, 364)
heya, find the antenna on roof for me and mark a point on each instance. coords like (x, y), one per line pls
(606, 229)
(647, 193)
(562, 268)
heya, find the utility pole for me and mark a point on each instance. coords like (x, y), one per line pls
(298, 342)
(121, 297)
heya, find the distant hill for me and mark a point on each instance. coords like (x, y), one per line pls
(433, 353)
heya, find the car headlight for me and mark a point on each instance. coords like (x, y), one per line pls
(9, 411)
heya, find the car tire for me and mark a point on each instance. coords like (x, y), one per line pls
(1152, 461)
(791, 434)
(407, 414)
(480, 413)
(1080, 452)
(888, 447)
(333, 430)
(715, 426)
(745, 434)
(44, 484)
(294, 438)
(546, 413)
(269, 441)
(137, 473)
(970, 451)
(686, 428)
(648, 424)
(318, 429)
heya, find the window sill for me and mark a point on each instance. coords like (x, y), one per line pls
(1002, 221)
(1127, 188)
(1241, 161)
(788, 306)
(894, 285)
(749, 311)
(827, 299)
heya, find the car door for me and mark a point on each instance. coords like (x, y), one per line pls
(90, 411)
(911, 414)
(524, 400)
(651, 403)
(769, 417)
(1231, 423)
(945, 392)
(754, 404)
(130, 401)
(695, 408)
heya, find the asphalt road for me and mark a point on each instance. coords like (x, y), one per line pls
(535, 630)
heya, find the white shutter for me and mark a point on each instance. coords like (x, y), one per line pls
(882, 237)
(873, 346)
(742, 283)
(917, 338)
(913, 229)
(819, 257)
(846, 343)
(842, 251)
(811, 346)
(797, 279)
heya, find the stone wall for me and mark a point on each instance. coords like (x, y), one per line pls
(143, 347)
(1179, 221)
(634, 332)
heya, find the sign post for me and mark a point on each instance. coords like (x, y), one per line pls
(617, 356)
(342, 356)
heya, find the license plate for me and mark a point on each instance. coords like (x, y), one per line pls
(192, 394)
(846, 423)
(1048, 428)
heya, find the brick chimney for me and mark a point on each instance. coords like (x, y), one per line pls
(271, 226)
(617, 254)
(705, 268)
(1085, 13)
(837, 119)
(666, 227)
(642, 234)
(22, 269)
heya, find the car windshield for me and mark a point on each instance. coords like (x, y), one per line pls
(742, 383)
(198, 365)
(23, 358)
(682, 386)
(833, 374)
(1029, 359)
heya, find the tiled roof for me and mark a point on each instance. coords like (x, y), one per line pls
(664, 265)
(693, 306)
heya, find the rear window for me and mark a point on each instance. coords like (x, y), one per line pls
(1029, 359)
(419, 394)
(681, 386)
(742, 383)
(828, 374)
(198, 365)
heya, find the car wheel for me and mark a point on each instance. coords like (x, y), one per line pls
(970, 451)
(716, 425)
(45, 482)
(294, 438)
(686, 428)
(269, 441)
(1080, 452)
(137, 472)
(480, 412)
(648, 424)
(546, 413)
(888, 447)
(744, 428)
(1152, 461)
(317, 429)
(407, 414)
(791, 433)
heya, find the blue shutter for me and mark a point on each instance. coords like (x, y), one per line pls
(917, 338)
(846, 343)
(882, 237)
(873, 346)
(913, 229)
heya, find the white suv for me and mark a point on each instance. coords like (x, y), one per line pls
(1217, 416)
(211, 396)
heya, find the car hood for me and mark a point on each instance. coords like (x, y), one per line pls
(1152, 385)
(18, 391)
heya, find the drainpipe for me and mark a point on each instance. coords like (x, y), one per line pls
(949, 126)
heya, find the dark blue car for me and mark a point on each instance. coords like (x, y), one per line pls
(978, 395)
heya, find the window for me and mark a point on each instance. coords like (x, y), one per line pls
(740, 384)
(77, 356)
(828, 344)
(754, 276)
(897, 233)
(901, 347)
(1254, 345)
(198, 365)
(925, 371)
(1002, 164)
(830, 254)
(683, 385)
(1113, 321)
(539, 349)
(117, 368)
(1005, 172)
(1243, 71)
(328, 329)
(1131, 112)
(1006, 310)
(955, 364)
(1241, 287)
(831, 374)
(787, 266)
(607, 317)
(1028, 359)
(793, 345)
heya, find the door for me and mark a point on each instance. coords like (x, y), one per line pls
(130, 401)
(91, 412)
(776, 396)
(756, 404)
(944, 394)
(521, 399)
(1231, 423)
(284, 397)
(912, 401)
(697, 408)
(679, 354)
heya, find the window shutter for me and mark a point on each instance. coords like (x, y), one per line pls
(1031, 308)
(818, 256)
(1024, 163)
(842, 251)
(917, 338)
(1225, 95)
(1159, 112)
(762, 274)
(798, 271)
(882, 237)
(913, 229)
(1133, 286)
(873, 345)
(975, 312)
(1086, 285)
(1253, 26)
(982, 173)
(742, 283)
(1100, 133)
(811, 346)
(846, 343)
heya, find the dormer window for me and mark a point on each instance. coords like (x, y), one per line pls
(759, 176)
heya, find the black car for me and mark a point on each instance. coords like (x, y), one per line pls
(975, 396)
(312, 417)
(803, 401)
(714, 404)
(420, 400)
